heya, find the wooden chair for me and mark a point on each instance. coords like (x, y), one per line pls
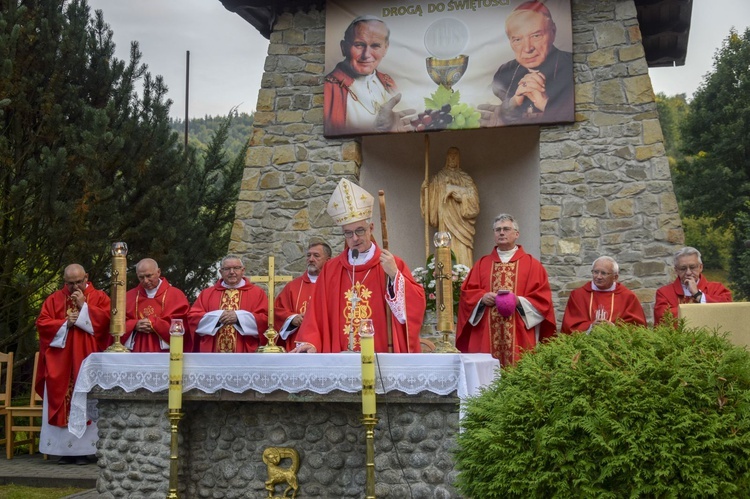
(6, 367)
(30, 417)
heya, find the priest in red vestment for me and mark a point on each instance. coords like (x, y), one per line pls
(291, 304)
(73, 323)
(151, 306)
(508, 269)
(363, 282)
(602, 299)
(689, 287)
(232, 315)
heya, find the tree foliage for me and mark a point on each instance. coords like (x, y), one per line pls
(87, 157)
(202, 130)
(623, 412)
(715, 179)
(672, 112)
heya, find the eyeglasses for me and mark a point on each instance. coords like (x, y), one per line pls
(692, 268)
(601, 273)
(75, 283)
(504, 229)
(229, 269)
(359, 231)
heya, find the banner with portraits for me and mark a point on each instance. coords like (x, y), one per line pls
(406, 66)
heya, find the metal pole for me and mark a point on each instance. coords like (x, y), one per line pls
(187, 95)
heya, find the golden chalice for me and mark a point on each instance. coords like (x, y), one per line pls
(447, 72)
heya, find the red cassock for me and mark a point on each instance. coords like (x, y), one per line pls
(504, 338)
(58, 367)
(330, 313)
(249, 298)
(670, 296)
(620, 304)
(293, 299)
(168, 303)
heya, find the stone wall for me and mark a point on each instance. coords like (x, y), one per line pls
(606, 186)
(222, 442)
(605, 183)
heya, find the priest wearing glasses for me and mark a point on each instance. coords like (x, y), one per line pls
(602, 300)
(690, 286)
(363, 282)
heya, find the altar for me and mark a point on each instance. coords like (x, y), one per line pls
(237, 405)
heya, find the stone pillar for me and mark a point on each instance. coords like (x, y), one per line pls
(291, 168)
(605, 182)
(605, 187)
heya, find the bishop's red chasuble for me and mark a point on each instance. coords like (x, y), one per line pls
(504, 338)
(168, 303)
(58, 367)
(227, 339)
(620, 304)
(330, 314)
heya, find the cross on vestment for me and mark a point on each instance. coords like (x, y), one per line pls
(270, 281)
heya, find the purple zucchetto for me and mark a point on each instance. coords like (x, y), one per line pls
(506, 304)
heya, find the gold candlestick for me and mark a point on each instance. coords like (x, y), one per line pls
(444, 288)
(367, 350)
(176, 336)
(118, 291)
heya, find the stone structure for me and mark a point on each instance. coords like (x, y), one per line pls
(605, 185)
(223, 436)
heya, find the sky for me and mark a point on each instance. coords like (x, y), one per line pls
(227, 54)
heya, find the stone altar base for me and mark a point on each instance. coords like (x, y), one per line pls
(223, 435)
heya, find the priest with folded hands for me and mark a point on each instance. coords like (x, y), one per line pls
(602, 300)
(232, 315)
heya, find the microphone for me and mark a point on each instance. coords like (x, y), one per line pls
(354, 300)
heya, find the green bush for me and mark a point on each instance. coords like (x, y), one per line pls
(623, 412)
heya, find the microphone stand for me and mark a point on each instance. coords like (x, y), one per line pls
(354, 300)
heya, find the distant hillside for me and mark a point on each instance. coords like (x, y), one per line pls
(200, 131)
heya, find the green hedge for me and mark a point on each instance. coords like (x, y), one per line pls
(622, 412)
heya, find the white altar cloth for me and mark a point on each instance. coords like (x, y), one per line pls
(321, 373)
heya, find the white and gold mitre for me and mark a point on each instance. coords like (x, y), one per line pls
(349, 203)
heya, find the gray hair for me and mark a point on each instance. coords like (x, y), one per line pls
(504, 217)
(687, 251)
(349, 33)
(615, 266)
(231, 257)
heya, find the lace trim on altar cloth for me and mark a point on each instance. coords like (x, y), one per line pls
(320, 373)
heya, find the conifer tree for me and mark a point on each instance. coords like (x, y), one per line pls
(87, 157)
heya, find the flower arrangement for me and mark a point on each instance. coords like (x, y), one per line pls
(426, 277)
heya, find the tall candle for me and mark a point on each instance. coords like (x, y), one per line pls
(176, 332)
(367, 349)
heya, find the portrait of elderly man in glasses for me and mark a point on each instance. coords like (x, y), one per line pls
(689, 287)
(537, 85)
(602, 300)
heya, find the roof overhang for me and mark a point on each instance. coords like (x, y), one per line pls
(664, 24)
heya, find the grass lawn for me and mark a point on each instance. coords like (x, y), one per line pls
(18, 492)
